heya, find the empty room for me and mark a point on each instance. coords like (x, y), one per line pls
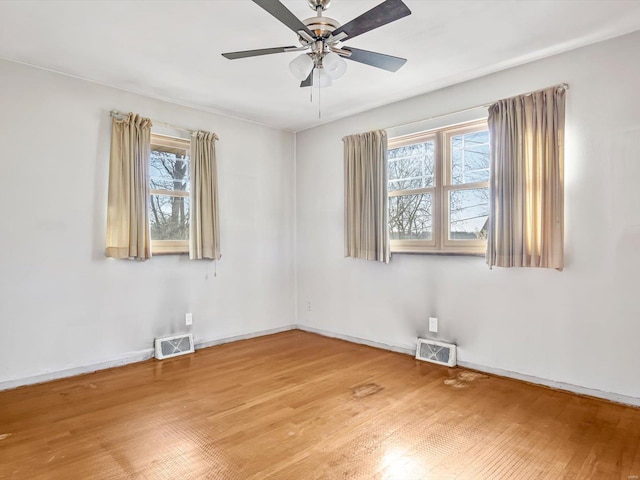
(320, 239)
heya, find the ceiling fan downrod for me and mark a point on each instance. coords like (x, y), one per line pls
(321, 5)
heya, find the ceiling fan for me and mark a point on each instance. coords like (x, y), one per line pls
(321, 40)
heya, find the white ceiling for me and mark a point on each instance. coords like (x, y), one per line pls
(171, 49)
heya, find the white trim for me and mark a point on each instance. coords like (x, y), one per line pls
(243, 336)
(131, 357)
(142, 93)
(440, 191)
(296, 299)
(385, 346)
(561, 386)
(440, 121)
(146, 354)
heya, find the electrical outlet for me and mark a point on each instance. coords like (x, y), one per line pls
(308, 305)
(188, 319)
(433, 324)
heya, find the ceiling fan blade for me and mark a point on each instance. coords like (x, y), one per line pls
(379, 60)
(387, 12)
(255, 53)
(282, 13)
(308, 82)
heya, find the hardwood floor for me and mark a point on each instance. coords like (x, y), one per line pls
(299, 406)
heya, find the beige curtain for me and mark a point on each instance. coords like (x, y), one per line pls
(366, 203)
(128, 233)
(526, 183)
(204, 238)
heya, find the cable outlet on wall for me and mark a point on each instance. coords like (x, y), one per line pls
(433, 324)
(188, 319)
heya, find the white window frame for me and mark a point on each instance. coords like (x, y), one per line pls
(440, 191)
(164, 247)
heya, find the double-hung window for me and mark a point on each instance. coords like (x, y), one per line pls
(169, 171)
(438, 187)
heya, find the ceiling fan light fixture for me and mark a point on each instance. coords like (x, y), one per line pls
(334, 65)
(321, 38)
(321, 78)
(301, 66)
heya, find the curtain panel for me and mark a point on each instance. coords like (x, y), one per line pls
(128, 234)
(526, 226)
(204, 237)
(366, 202)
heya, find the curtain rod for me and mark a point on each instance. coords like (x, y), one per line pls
(120, 115)
(560, 85)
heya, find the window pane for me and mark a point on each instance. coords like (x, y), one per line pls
(469, 212)
(470, 158)
(169, 171)
(410, 217)
(411, 166)
(169, 217)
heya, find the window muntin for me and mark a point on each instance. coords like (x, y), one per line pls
(411, 166)
(438, 190)
(169, 171)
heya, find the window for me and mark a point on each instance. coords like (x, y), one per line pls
(439, 190)
(169, 170)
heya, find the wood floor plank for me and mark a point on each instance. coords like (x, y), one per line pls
(295, 405)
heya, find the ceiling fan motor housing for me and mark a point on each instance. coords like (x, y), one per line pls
(321, 26)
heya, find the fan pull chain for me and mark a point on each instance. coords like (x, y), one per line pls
(319, 100)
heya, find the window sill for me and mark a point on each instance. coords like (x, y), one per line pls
(169, 247)
(163, 254)
(458, 250)
(455, 253)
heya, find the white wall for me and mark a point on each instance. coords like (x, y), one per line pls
(580, 326)
(62, 303)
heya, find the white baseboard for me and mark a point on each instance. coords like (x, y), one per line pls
(567, 387)
(146, 354)
(131, 357)
(245, 336)
(362, 341)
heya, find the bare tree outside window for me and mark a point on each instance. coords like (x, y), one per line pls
(411, 168)
(169, 203)
(438, 190)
